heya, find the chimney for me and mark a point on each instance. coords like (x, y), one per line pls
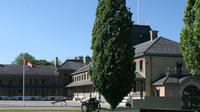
(87, 60)
(56, 62)
(153, 34)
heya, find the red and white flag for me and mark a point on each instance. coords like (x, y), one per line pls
(26, 63)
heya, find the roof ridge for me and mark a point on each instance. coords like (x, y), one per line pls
(168, 39)
(165, 79)
(152, 43)
(61, 65)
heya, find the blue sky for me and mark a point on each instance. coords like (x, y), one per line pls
(63, 28)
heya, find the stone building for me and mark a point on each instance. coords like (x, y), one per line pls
(41, 83)
(81, 86)
(160, 71)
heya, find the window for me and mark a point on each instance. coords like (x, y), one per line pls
(10, 81)
(141, 65)
(138, 86)
(88, 77)
(43, 93)
(157, 91)
(79, 78)
(43, 81)
(135, 65)
(20, 91)
(35, 81)
(30, 81)
(0, 82)
(84, 76)
(30, 93)
(20, 81)
(35, 92)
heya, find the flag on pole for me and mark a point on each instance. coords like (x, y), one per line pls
(26, 63)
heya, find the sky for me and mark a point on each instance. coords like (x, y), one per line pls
(63, 28)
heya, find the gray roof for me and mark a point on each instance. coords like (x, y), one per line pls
(158, 46)
(71, 65)
(83, 69)
(139, 75)
(79, 83)
(14, 69)
(173, 79)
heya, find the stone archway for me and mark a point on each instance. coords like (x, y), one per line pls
(191, 97)
(188, 81)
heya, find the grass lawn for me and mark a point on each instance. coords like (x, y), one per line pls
(44, 111)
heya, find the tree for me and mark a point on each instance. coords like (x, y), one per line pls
(20, 59)
(79, 58)
(112, 43)
(43, 62)
(59, 62)
(190, 36)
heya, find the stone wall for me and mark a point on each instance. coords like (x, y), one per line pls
(154, 102)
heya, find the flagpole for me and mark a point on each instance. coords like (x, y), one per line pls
(23, 82)
(138, 9)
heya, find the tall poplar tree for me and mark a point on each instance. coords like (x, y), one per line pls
(190, 36)
(113, 53)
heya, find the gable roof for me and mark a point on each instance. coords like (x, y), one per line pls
(158, 46)
(139, 75)
(83, 69)
(79, 83)
(71, 65)
(14, 69)
(173, 79)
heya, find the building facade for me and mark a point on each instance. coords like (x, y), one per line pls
(41, 83)
(160, 71)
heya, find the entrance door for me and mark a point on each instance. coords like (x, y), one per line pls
(191, 97)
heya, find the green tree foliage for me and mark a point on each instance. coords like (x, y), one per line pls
(43, 62)
(79, 58)
(59, 62)
(20, 60)
(190, 36)
(112, 44)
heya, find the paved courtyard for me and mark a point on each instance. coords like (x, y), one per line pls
(44, 105)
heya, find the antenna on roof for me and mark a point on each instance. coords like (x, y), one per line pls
(138, 9)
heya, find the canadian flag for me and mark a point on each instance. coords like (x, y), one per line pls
(26, 63)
